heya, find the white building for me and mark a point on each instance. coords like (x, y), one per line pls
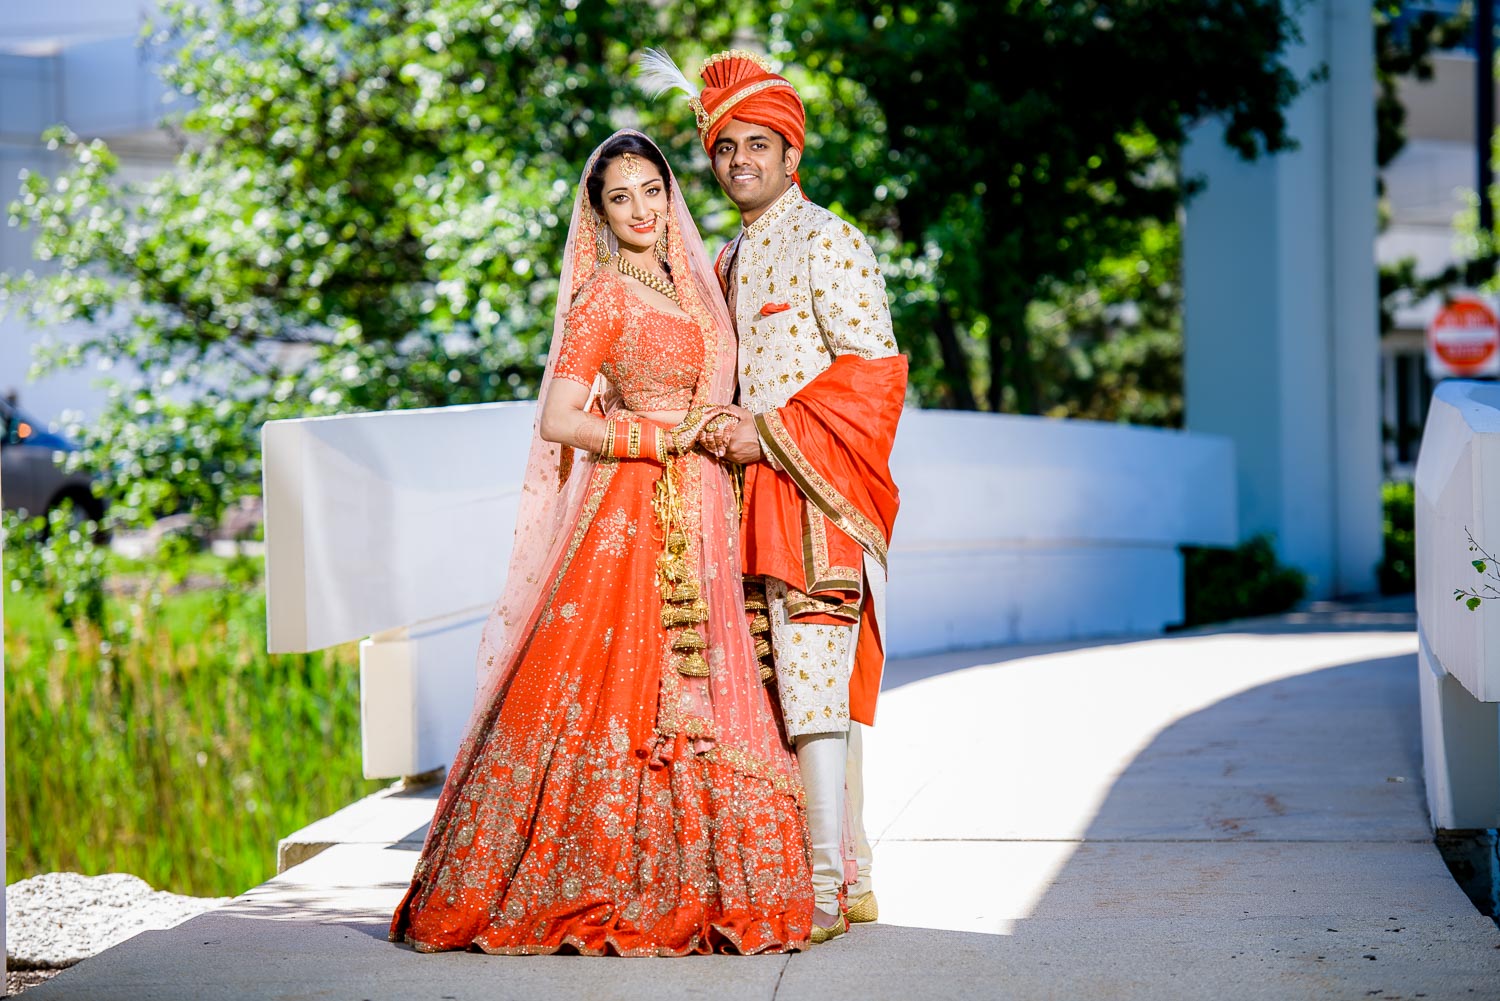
(1281, 324)
(76, 63)
(1428, 184)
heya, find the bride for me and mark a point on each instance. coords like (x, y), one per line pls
(624, 786)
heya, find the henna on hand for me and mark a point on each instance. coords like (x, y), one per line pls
(716, 431)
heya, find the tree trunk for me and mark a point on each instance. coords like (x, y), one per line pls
(999, 345)
(1010, 353)
(956, 371)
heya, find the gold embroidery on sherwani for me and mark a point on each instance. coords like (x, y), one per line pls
(827, 298)
(815, 565)
(813, 662)
(818, 490)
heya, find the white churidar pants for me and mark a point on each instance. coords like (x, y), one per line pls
(813, 665)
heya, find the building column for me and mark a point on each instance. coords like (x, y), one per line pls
(1281, 323)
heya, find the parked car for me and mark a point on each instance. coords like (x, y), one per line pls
(32, 477)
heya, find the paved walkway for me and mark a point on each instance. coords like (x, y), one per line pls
(1236, 813)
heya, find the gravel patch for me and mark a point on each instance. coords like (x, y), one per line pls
(60, 918)
(17, 981)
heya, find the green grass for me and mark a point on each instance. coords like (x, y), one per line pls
(167, 743)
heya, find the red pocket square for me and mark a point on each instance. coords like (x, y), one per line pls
(774, 307)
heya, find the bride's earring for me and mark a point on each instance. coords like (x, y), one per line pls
(601, 241)
(661, 246)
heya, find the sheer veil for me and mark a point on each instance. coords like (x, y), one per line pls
(729, 715)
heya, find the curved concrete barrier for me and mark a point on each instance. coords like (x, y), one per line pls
(397, 526)
(1458, 495)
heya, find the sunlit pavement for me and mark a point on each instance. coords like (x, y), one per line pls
(1233, 813)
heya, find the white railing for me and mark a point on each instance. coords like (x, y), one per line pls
(395, 529)
(1458, 494)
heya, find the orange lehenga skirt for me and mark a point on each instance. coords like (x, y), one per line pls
(578, 825)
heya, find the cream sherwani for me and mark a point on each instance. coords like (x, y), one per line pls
(804, 287)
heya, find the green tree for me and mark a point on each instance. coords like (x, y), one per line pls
(1406, 39)
(367, 212)
(1018, 145)
(371, 197)
(1107, 345)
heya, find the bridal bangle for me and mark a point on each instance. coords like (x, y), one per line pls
(636, 439)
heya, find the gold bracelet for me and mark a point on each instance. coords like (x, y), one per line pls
(662, 439)
(608, 447)
(633, 443)
(687, 425)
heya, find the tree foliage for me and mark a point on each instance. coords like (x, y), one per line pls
(352, 174)
(1108, 345)
(1027, 142)
(1407, 36)
(371, 197)
(1406, 39)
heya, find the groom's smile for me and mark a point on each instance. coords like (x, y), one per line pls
(754, 165)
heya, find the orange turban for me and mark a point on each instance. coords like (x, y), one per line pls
(740, 84)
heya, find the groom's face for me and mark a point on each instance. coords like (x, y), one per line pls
(753, 164)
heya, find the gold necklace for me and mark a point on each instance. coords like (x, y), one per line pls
(646, 278)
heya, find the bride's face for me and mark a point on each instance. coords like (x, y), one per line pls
(635, 201)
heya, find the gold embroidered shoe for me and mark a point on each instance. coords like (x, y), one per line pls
(821, 935)
(863, 908)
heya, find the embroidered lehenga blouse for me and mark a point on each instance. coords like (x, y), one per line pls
(588, 819)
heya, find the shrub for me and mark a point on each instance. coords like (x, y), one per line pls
(1398, 568)
(1221, 584)
(58, 555)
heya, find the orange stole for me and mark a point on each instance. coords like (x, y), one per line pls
(835, 500)
(721, 271)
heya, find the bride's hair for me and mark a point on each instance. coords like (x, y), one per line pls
(615, 147)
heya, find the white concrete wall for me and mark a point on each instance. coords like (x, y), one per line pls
(1458, 492)
(1282, 348)
(398, 526)
(1025, 529)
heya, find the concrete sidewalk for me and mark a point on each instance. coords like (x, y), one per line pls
(1233, 813)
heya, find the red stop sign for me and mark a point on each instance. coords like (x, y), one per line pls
(1464, 339)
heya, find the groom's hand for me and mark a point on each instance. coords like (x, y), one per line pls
(743, 445)
(731, 439)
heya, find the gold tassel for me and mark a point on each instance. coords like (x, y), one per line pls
(766, 673)
(689, 640)
(671, 569)
(682, 597)
(686, 591)
(693, 666)
(684, 615)
(759, 623)
(755, 594)
(762, 649)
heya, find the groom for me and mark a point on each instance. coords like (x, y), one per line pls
(821, 384)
